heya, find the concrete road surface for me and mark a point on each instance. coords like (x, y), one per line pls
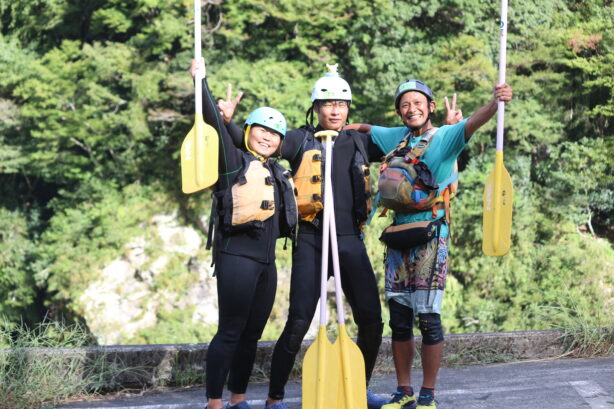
(552, 384)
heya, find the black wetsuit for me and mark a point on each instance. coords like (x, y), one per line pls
(246, 274)
(357, 276)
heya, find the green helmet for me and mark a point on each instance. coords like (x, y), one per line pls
(268, 117)
(412, 85)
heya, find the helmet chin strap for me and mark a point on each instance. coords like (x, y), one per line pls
(246, 136)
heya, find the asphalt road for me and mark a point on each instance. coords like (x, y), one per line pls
(551, 384)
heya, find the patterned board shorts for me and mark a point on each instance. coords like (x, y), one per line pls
(417, 277)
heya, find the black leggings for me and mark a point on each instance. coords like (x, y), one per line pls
(360, 289)
(246, 291)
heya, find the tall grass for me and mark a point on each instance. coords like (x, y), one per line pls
(587, 340)
(584, 335)
(34, 376)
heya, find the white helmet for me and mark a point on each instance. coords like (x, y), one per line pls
(331, 86)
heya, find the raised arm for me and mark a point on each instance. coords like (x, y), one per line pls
(502, 92)
(236, 133)
(362, 128)
(230, 158)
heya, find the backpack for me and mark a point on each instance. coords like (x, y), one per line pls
(407, 185)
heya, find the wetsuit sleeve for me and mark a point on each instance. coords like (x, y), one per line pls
(372, 149)
(230, 157)
(236, 133)
(291, 145)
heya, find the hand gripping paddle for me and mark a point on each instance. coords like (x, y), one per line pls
(498, 192)
(199, 150)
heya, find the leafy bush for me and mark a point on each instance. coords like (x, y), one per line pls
(80, 240)
(17, 289)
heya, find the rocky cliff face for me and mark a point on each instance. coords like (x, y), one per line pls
(162, 290)
(134, 291)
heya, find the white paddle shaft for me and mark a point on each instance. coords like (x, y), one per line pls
(502, 62)
(200, 73)
(328, 208)
(330, 231)
(335, 250)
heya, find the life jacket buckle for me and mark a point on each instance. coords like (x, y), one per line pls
(316, 179)
(268, 181)
(266, 205)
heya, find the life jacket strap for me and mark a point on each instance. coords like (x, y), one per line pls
(446, 201)
(446, 183)
(213, 235)
(373, 209)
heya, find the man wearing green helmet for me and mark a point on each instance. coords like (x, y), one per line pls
(416, 273)
(253, 205)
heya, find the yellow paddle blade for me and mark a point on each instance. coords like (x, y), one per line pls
(320, 373)
(498, 200)
(353, 384)
(199, 157)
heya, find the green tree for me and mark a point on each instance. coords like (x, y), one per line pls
(17, 288)
(95, 101)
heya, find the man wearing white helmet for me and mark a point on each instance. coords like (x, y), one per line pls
(331, 98)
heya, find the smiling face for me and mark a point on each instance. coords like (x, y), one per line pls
(263, 141)
(414, 110)
(332, 115)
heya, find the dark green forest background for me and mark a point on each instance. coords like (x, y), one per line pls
(95, 101)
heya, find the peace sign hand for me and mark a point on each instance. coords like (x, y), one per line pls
(453, 115)
(227, 107)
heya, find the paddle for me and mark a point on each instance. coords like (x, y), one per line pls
(321, 362)
(199, 150)
(352, 385)
(498, 192)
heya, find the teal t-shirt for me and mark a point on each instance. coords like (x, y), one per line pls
(445, 146)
